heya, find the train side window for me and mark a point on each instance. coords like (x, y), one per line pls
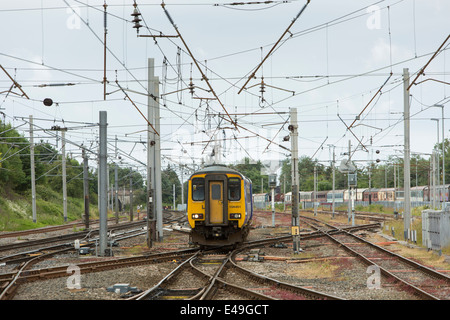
(198, 189)
(234, 189)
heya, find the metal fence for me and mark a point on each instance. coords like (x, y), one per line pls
(397, 205)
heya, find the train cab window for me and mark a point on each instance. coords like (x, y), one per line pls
(234, 189)
(198, 189)
(216, 192)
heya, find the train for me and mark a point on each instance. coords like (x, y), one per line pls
(373, 195)
(219, 206)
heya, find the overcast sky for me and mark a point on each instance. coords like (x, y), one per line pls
(330, 64)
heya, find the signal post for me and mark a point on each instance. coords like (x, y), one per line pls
(295, 229)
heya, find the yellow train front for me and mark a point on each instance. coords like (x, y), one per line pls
(219, 206)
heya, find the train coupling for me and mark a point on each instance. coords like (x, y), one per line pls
(217, 232)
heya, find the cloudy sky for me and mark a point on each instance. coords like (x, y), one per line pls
(330, 64)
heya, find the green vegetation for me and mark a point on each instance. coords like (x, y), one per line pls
(15, 184)
(15, 181)
(381, 173)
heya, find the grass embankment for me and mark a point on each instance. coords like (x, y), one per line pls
(16, 210)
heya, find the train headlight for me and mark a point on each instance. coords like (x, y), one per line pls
(197, 216)
(235, 215)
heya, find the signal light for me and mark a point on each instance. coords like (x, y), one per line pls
(48, 102)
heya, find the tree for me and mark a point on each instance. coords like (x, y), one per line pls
(253, 172)
(169, 178)
(12, 172)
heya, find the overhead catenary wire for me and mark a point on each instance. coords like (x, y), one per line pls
(249, 122)
(275, 45)
(195, 62)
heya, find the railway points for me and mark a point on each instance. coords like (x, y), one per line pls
(323, 271)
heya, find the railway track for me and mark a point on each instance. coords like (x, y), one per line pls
(214, 285)
(66, 240)
(422, 281)
(10, 281)
(220, 276)
(69, 225)
(214, 275)
(223, 281)
(24, 260)
(86, 234)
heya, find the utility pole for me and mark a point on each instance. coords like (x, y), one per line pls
(131, 194)
(154, 148)
(433, 198)
(63, 166)
(284, 192)
(443, 161)
(182, 185)
(64, 174)
(116, 193)
(262, 185)
(349, 187)
(315, 190)
(110, 195)
(109, 188)
(104, 49)
(173, 196)
(444, 195)
(273, 207)
(406, 161)
(370, 184)
(103, 187)
(85, 188)
(295, 230)
(334, 179)
(151, 222)
(272, 185)
(33, 174)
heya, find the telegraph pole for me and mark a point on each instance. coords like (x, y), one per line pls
(63, 166)
(173, 195)
(116, 192)
(295, 230)
(131, 194)
(349, 187)
(85, 188)
(158, 184)
(33, 174)
(64, 174)
(406, 160)
(103, 187)
(272, 185)
(182, 185)
(334, 178)
(154, 204)
(284, 192)
(315, 190)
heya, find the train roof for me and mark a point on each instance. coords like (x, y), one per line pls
(218, 168)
